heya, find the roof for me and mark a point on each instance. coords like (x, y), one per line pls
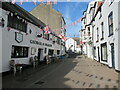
(14, 8)
(76, 38)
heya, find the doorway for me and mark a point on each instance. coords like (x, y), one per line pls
(98, 55)
(112, 55)
(39, 54)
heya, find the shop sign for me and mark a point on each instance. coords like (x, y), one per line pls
(40, 43)
(18, 37)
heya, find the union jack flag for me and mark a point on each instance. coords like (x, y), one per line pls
(63, 37)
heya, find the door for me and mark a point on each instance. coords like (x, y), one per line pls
(112, 55)
(98, 55)
(39, 54)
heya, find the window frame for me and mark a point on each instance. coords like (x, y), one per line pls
(102, 45)
(16, 23)
(17, 49)
(109, 25)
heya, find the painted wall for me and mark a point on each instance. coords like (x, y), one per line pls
(49, 16)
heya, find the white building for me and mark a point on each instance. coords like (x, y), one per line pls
(23, 38)
(106, 32)
(70, 44)
(73, 45)
(86, 31)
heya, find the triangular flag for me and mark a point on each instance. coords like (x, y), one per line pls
(48, 2)
(55, 1)
(21, 2)
(34, 1)
(40, 0)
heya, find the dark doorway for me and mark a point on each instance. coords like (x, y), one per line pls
(98, 55)
(112, 55)
(39, 54)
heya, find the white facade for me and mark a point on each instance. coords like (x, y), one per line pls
(71, 44)
(30, 40)
(105, 41)
(86, 31)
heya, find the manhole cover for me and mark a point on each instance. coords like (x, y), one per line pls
(39, 82)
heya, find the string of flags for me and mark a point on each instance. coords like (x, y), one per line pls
(35, 1)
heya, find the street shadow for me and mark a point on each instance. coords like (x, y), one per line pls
(30, 75)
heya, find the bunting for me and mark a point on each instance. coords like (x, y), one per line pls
(55, 1)
(34, 1)
(48, 2)
(62, 37)
(21, 1)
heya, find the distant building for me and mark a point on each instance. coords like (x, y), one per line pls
(78, 49)
(50, 17)
(73, 45)
(70, 45)
(104, 27)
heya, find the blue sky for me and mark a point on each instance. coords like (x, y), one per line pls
(71, 12)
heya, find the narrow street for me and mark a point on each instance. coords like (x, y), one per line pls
(73, 72)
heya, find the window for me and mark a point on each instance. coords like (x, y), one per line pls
(110, 2)
(45, 51)
(102, 29)
(94, 52)
(110, 23)
(46, 36)
(88, 31)
(104, 52)
(19, 52)
(51, 52)
(58, 52)
(97, 35)
(17, 22)
(58, 40)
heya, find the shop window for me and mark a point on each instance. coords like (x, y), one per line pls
(19, 52)
(110, 23)
(17, 22)
(51, 52)
(104, 52)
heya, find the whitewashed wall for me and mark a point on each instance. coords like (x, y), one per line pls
(106, 9)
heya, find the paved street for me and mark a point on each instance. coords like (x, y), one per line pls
(74, 72)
